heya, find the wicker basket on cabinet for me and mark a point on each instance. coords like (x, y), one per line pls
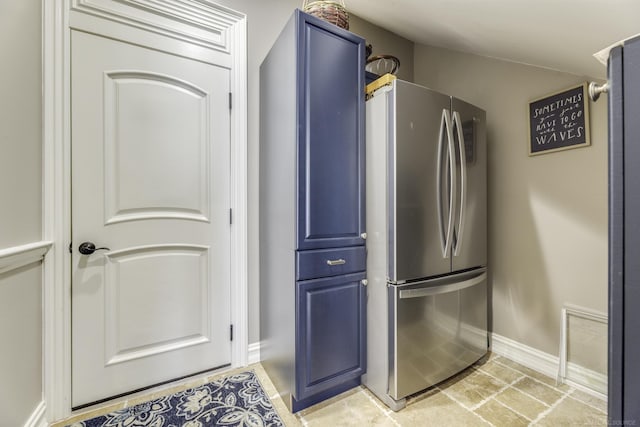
(334, 12)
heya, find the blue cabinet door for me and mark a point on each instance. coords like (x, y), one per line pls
(330, 333)
(331, 136)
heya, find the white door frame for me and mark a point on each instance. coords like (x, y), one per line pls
(225, 32)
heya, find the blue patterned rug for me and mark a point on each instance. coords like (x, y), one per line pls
(236, 400)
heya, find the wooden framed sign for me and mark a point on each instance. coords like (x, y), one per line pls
(559, 121)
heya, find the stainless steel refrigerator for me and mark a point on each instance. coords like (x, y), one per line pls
(426, 239)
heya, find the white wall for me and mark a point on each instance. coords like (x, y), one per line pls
(265, 20)
(20, 208)
(547, 213)
(21, 348)
(386, 43)
(20, 120)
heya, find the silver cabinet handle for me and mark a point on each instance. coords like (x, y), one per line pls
(336, 261)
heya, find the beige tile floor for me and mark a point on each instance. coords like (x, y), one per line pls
(497, 392)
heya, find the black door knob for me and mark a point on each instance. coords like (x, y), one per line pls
(87, 248)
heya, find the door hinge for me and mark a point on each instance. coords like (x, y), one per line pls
(70, 247)
(230, 332)
(230, 216)
(230, 100)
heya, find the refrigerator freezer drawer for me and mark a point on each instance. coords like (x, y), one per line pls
(437, 331)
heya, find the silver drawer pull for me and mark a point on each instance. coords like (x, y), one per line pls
(336, 261)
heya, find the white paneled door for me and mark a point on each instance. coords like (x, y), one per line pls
(150, 138)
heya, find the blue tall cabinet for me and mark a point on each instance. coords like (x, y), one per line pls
(312, 236)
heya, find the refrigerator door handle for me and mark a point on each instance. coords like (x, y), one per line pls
(445, 236)
(457, 122)
(441, 233)
(452, 182)
(437, 290)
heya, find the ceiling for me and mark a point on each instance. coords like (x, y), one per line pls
(557, 34)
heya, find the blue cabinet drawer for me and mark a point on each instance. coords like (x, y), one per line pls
(330, 262)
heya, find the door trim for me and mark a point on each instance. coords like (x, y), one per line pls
(229, 37)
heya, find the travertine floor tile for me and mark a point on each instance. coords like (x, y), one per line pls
(590, 400)
(473, 389)
(540, 391)
(571, 412)
(533, 374)
(521, 403)
(500, 415)
(329, 402)
(353, 408)
(501, 372)
(436, 409)
(420, 396)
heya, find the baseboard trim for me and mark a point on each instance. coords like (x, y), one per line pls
(527, 356)
(549, 365)
(587, 380)
(38, 416)
(254, 353)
